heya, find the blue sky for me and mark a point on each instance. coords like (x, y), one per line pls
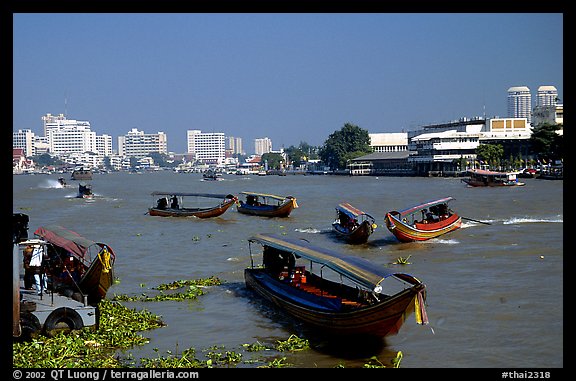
(292, 77)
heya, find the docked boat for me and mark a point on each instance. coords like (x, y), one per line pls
(85, 191)
(331, 292)
(266, 205)
(171, 204)
(352, 224)
(81, 173)
(424, 221)
(485, 178)
(93, 261)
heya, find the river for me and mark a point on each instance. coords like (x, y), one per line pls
(495, 289)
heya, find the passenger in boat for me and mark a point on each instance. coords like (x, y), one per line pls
(162, 203)
(174, 204)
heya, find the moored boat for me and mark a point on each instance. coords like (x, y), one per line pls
(423, 221)
(334, 293)
(485, 178)
(352, 224)
(266, 205)
(171, 204)
(94, 261)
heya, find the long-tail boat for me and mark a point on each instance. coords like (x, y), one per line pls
(333, 293)
(352, 224)
(95, 260)
(423, 221)
(266, 205)
(171, 204)
(484, 178)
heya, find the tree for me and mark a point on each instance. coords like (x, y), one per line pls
(346, 144)
(299, 155)
(546, 142)
(273, 160)
(490, 153)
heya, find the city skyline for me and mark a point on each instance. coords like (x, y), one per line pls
(289, 77)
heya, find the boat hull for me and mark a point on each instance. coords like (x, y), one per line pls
(193, 212)
(382, 319)
(356, 236)
(421, 232)
(282, 210)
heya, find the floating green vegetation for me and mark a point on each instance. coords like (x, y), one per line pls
(403, 261)
(192, 289)
(88, 348)
(294, 343)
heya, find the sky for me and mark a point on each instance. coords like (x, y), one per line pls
(291, 77)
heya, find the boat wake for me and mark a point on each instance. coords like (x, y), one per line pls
(309, 230)
(50, 184)
(528, 220)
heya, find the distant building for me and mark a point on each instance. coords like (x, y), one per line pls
(139, 144)
(208, 147)
(520, 103)
(234, 146)
(547, 96)
(24, 139)
(389, 142)
(262, 146)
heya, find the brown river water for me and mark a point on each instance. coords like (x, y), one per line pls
(495, 291)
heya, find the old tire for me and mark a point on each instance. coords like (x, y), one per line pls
(30, 326)
(63, 319)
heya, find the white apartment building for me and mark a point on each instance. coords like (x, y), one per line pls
(234, 145)
(262, 146)
(547, 96)
(67, 139)
(139, 144)
(24, 139)
(520, 102)
(208, 147)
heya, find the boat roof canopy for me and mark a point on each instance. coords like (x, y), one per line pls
(485, 172)
(276, 197)
(428, 204)
(351, 211)
(69, 240)
(210, 195)
(358, 269)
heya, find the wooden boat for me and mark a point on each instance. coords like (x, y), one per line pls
(352, 224)
(267, 205)
(94, 260)
(484, 178)
(336, 294)
(85, 191)
(176, 207)
(424, 221)
(81, 173)
(211, 175)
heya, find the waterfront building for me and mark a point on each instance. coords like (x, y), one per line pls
(208, 147)
(139, 144)
(520, 103)
(389, 142)
(71, 137)
(262, 146)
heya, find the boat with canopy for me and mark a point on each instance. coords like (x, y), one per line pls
(171, 204)
(423, 221)
(266, 205)
(352, 224)
(334, 293)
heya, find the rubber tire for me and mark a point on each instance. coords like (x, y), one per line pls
(30, 326)
(62, 315)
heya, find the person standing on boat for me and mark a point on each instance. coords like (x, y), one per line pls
(174, 204)
(40, 280)
(28, 273)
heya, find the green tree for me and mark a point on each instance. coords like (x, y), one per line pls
(341, 146)
(490, 153)
(273, 160)
(299, 155)
(546, 142)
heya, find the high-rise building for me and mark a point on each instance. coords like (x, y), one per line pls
(262, 146)
(24, 139)
(547, 96)
(520, 102)
(209, 147)
(234, 145)
(138, 144)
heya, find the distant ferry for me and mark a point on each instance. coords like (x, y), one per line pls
(80, 173)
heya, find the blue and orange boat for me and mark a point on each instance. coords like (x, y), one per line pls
(424, 221)
(352, 224)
